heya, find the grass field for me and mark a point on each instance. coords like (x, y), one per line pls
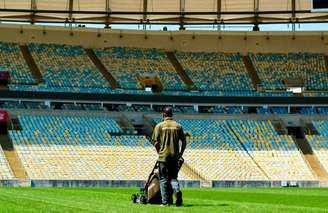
(195, 200)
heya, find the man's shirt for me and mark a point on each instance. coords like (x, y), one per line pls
(168, 133)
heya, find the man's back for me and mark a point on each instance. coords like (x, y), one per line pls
(168, 133)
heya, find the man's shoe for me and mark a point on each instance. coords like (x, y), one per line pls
(165, 205)
(178, 202)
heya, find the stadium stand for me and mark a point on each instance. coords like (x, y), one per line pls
(72, 107)
(90, 147)
(276, 154)
(12, 60)
(93, 107)
(322, 110)
(66, 66)
(73, 147)
(274, 68)
(35, 105)
(308, 111)
(13, 105)
(127, 64)
(81, 148)
(279, 110)
(216, 71)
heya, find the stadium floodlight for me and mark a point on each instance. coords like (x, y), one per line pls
(319, 6)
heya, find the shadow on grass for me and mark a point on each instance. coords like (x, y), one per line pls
(206, 205)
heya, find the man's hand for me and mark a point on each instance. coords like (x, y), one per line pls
(183, 147)
(157, 145)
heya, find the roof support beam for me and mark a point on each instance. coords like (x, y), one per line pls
(293, 9)
(293, 15)
(144, 10)
(181, 17)
(70, 9)
(256, 15)
(219, 7)
(182, 11)
(4, 10)
(33, 8)
(108, 18)
(256, 9)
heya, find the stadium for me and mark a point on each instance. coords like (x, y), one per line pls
(83, 84)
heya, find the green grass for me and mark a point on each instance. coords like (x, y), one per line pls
(61, 200)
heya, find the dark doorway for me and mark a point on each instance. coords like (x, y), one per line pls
(296, 131)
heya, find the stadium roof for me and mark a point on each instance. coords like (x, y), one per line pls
(160, 11)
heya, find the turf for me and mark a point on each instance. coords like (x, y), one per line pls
(195, 200)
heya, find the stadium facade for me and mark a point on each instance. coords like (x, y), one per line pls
(80, 104)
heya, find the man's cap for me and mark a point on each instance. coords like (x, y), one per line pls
(168, 111)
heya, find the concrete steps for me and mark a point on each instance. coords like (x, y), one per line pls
(316, 166)
(326, 62)
(107, 75)
(178, 67)
(15, 164)
(31, 64)
(251, 71)
(191, 173)
(311, 159)
(12, 157)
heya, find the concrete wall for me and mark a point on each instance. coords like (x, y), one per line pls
(250, 184)
(140, 184)
(242, 42)
(102, 183)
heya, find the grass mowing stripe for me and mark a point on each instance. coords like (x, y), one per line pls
(94, 205)
(25, 205)
(312, 201)
(47, 201)
(265, 205)
(292, 191)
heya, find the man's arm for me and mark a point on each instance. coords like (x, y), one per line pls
(183, 147)
(156, 138)
(183, 142)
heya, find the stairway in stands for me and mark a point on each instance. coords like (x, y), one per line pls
(326, 60)
(107, 75)
(31, 64)
(310, 157)
(183, 75)
(191, 173)
(251, 71)
(12, 157)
